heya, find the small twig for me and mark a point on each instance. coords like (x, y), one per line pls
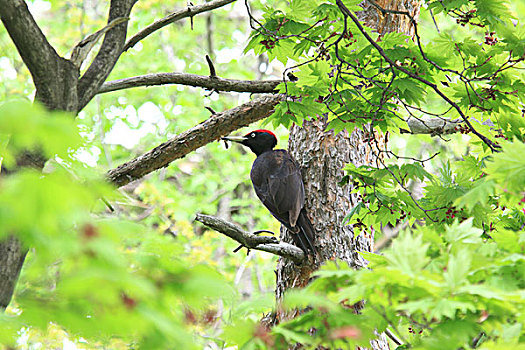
(251, 241)
(175, 16)
(477, 340)
(239, 248)
(384, 316)
(255, 233)
(108, 204)
(433, 19)
(212, 68)
(211, 110)
(190, 4)
(392, 336)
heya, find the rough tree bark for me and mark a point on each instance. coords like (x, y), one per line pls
(322, 155)
(12, 257)
(219, 124)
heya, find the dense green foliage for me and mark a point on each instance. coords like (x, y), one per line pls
(146, 276)
(456, 279)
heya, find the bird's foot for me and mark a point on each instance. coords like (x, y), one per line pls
(269, 240)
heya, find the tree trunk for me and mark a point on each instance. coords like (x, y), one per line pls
(12, 257)
(322, 155)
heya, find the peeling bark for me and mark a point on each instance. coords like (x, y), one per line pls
(373, 17)
(321, 156)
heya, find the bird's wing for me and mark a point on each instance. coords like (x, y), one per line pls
(285, 189)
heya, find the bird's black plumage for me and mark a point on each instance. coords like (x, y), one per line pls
(277, 181)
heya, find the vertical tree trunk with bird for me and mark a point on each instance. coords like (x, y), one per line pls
(321, 156)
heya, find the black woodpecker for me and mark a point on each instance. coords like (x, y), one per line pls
(277, 181)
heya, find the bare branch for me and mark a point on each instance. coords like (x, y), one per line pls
(433, 126)
(251, 241)
(392, 336)
(207, 82)
(108, 54)
(173, 17)
(212, 129)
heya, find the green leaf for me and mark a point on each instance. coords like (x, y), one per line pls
(482, 290)
(408, 254)
(415, 170)
(508, 169)
(463, 233)
(292, 336)
(458, 268)
(355, 210)
(480, 193)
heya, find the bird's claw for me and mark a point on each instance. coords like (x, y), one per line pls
(270, 240)
(273, 240)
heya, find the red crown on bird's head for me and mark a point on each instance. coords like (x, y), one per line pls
(262, 131)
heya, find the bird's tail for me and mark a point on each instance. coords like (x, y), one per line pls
(305, 236)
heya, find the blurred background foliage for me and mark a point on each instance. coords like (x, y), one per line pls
(147, 276)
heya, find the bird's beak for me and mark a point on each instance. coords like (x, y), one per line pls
(238, 139)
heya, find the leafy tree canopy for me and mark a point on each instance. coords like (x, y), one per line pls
(143, 275)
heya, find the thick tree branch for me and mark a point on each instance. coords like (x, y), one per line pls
(212, 129)
(207, 82)
(55, 78)
(251, 241)
(108, 54)
(173, 17)
(35, 50)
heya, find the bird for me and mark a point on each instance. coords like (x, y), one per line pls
(277, 181)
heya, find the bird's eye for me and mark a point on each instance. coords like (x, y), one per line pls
(252, 135)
